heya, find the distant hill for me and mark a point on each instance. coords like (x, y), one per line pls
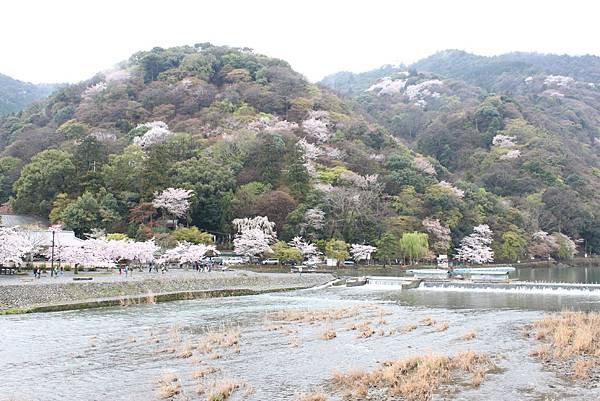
(523, 126)
(15, 95)
(507, 71)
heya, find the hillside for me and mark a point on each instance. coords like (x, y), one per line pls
(250, 136)
(16, 95)
(522, 126)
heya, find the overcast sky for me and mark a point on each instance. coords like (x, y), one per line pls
(68, 41)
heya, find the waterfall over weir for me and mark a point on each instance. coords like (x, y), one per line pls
(521, 287)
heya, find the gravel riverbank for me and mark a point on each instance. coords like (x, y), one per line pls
(27, 293)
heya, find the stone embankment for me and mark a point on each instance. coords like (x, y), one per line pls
(48, 294)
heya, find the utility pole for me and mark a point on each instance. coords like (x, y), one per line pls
(52, 255)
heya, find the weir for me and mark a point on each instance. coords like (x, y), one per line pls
(406, 283)
(401, 282)
(515, 287)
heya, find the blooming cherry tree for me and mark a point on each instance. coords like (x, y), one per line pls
(459, 193)
(511, 154)
(504, 141)
(13, 246)
(558, 80)
(424, 165)
(362, 252)
(94, 90)
(439, 233)
(306, 248)
(252, 242)
(158, 132)
(316, 125)
(309, 151)
(475, 248)
(186, 253)
(255, 235)
(176, 201)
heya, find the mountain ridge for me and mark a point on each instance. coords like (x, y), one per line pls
(15, 95)
(381, 158)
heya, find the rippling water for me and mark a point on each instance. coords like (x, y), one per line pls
(106, 354)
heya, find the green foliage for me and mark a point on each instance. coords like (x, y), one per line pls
(387, 248)
(213, 184)
(414, 246)
(192, 235)
(49, 173)
(330, 175)
(9, 173)
(512, 247)
(58, 206)
(90, 211)
(116, 237)
(337, 249)
(283, 251)
(73, 129)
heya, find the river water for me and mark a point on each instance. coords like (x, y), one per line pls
(119, 353)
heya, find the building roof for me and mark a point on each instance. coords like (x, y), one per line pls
(12, 220)
(43, 238)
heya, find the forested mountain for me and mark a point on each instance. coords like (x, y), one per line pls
(16, 95)
(395, 151)
(523, 126)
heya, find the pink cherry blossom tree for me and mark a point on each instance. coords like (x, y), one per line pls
(306, 248)
(13, 246)
(475, 248)
(316, 126)
(254, 237)
(438, 233)
(158, 132)
(362, 252)
(175, 201)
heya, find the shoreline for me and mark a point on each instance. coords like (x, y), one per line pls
(48, 296)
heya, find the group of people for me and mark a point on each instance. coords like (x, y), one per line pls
(202, 267)
(55, 271)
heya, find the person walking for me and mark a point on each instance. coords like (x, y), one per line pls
(126, 270)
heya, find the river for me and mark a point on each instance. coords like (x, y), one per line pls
(119, 353)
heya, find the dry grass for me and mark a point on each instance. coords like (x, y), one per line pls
(442, 327)
(168, 386)
(226, 338)
(186, 350)
(204, 371)
(365, 331)
(412, 379)
(572, 337)
(313, 397)
(428, 321)
(541, 352)
(222, 389)
(469, 335)
(313, 316)
(328, 334)
(581, 369)
(409, 327)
